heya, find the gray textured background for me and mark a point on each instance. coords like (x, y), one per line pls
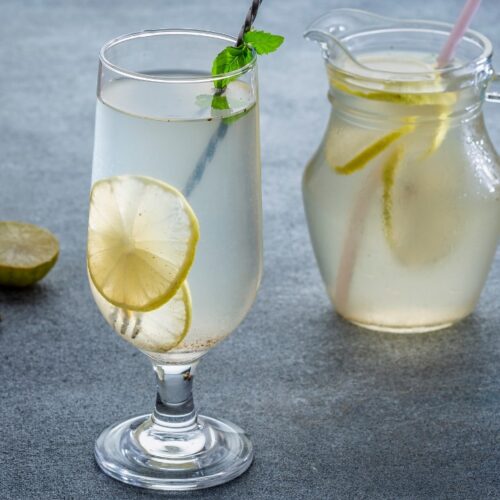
(333, 411)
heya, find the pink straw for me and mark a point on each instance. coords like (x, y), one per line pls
(458, 32)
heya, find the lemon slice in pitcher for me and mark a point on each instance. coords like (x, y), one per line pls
(27, 253)
(422, 216)
(155, 331)
(141, 242)
(365, 156)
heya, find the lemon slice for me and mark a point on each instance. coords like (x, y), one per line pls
(425, 93)
(388, 176)
(422, 219)
(373, 150)
(141, 243)
(155, 331)
(27, 253)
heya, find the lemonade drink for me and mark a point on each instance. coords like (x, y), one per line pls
(161, 132)
(402, 197)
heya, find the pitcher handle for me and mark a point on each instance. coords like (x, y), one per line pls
(493, 92)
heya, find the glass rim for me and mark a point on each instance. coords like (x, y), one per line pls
(171, 79)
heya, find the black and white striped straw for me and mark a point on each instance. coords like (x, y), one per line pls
(251, 15)
(221, 130)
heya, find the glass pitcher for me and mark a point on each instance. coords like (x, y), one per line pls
(402, 195)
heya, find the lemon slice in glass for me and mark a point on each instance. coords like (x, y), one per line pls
(141, 243)
(27, 253)
(155, 331)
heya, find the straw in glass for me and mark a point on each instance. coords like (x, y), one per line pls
(211, 148)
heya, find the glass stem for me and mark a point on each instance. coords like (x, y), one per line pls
(173, 431)
(174, 409)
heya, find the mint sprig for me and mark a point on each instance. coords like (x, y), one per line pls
(263, 42)
(220, 102)
(233, 58)
(230, 59)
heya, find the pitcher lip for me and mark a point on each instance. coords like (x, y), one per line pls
(413, 25)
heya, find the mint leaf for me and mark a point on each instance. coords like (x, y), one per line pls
(233, 118)
(203, 100)
(220, 102)
(263, 42)
(230, 59)
(233, 58)
(217, 101)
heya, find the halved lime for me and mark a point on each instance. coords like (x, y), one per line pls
(27, 253)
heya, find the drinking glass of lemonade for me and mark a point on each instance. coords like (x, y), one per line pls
(403, 195)
(175, 241)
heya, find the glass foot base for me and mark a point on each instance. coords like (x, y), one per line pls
(225, 453)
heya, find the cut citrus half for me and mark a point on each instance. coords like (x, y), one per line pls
(141, 243)
(27, 253)
(155, 331)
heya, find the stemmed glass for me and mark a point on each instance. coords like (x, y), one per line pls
(175, 246)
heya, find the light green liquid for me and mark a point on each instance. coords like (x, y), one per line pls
(446, 215)
(138, 131)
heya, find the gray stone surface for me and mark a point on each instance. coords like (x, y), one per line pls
(333, 411)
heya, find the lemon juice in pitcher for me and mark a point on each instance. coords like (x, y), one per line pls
(402, 196)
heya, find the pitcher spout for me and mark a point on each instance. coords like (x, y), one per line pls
(331, 29)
